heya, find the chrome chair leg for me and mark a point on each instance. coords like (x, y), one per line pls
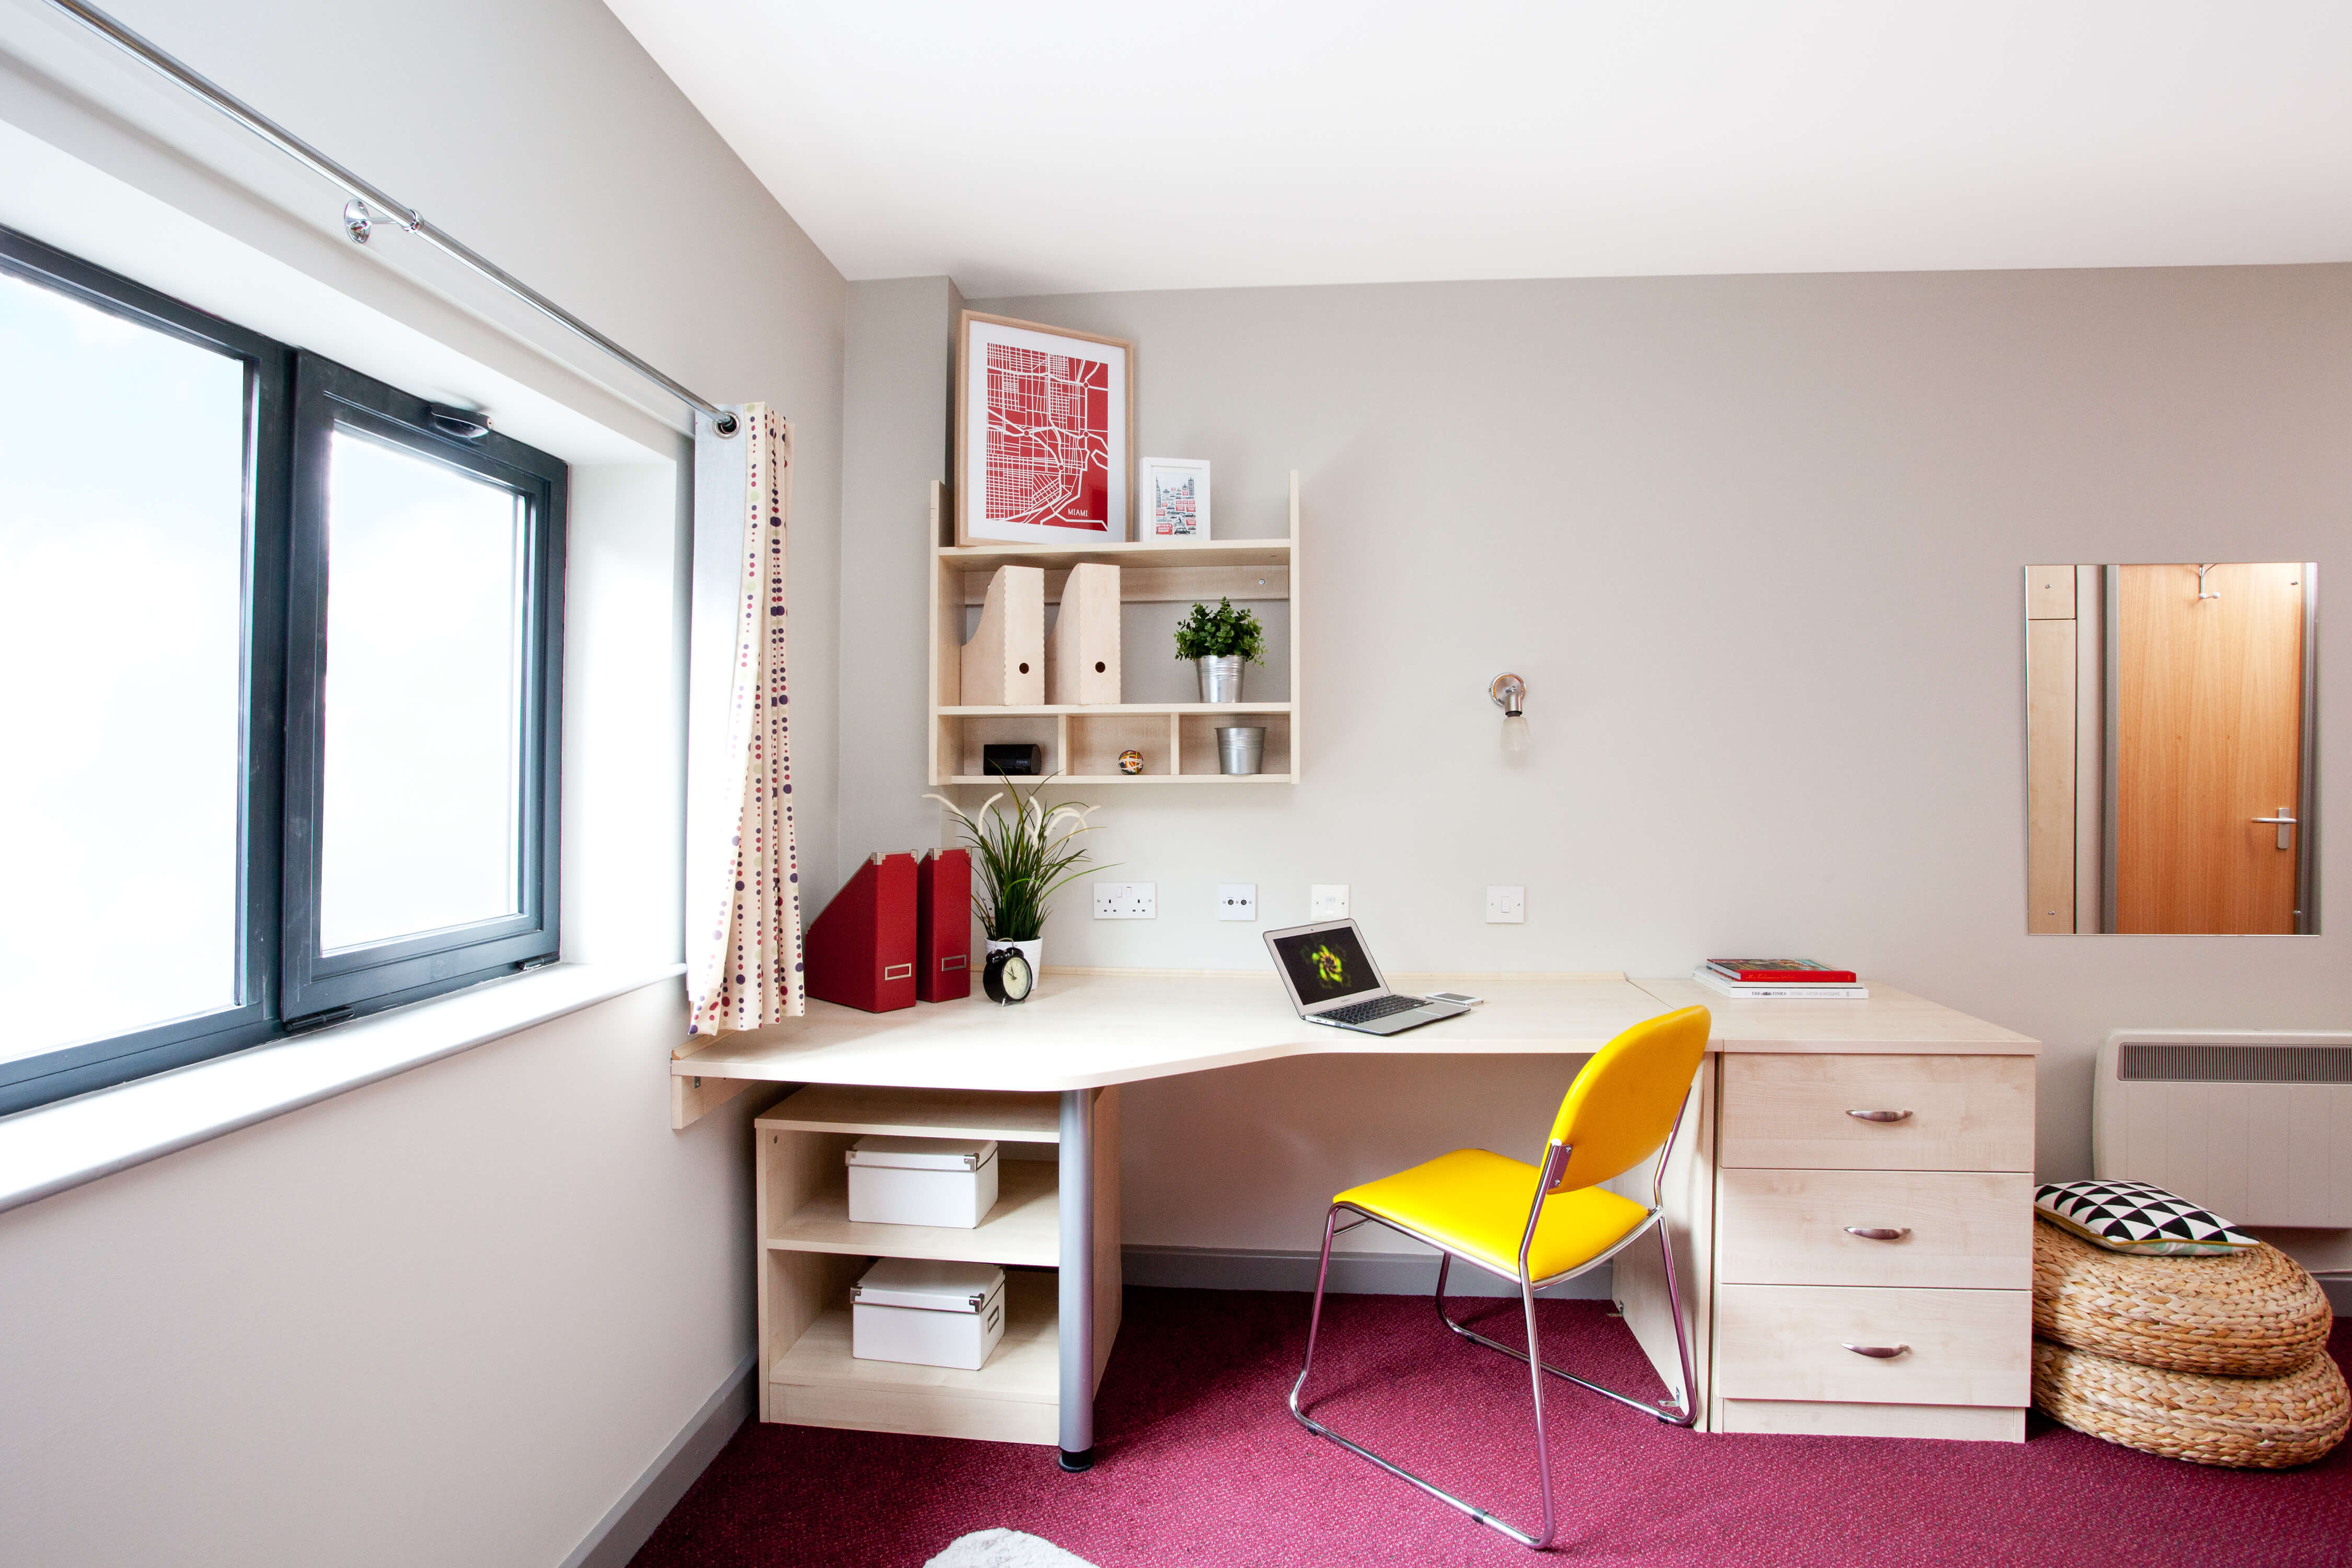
(1314, 1318)
(1688, 1413)
(1543, 1449)
(1681, 1413)
(1314, 1322)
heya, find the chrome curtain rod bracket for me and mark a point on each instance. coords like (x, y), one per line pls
(368, 204)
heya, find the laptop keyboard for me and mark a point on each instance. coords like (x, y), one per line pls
(1378, 1007)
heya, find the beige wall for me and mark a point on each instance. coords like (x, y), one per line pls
(896, 379)
(1756, 545)
(450, 1317)
(444, 1318)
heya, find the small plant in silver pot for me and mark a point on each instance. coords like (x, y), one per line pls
(1218, 642)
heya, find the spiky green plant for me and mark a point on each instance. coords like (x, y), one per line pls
(1021, 857)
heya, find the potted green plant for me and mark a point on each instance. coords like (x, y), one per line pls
(1217, 642)
(1020, 859)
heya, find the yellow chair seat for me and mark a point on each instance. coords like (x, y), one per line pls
(1475, 1204)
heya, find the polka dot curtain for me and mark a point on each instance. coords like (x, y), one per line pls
(743, 923)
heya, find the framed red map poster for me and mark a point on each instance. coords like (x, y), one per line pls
(1045, 423)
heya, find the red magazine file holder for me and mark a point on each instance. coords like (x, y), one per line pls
(944, 926)
(861, 952)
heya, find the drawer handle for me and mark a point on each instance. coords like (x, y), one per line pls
(1879, 1232)
(1880, 1115)
(1880, 1353)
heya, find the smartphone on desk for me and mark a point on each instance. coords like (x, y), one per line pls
(1455, 996)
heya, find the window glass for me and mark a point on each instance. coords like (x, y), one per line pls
(121, 611)
(425, 680)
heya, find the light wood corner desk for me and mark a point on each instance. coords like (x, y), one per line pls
(1849, 1173)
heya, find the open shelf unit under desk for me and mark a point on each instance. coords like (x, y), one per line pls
(812, 1253)
(1082, 741)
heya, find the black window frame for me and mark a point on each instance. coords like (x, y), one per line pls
(328, 395)
(276, 874)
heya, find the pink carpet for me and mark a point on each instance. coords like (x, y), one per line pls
(1200, 1465)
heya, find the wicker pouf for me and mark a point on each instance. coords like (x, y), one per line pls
(2254, 1314)
(2247, 1423)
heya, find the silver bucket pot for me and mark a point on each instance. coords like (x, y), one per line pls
(1240, 747)
(1221, 678)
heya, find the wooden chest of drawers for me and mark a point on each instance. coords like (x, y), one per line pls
(1853, 1221)
(1873, 1227)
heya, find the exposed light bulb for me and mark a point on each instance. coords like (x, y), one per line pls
(1510, 693)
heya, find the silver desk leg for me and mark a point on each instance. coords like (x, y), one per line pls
(1077, 1278)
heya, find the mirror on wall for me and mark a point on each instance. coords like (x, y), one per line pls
(2171, 748)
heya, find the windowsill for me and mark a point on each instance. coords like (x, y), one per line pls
(53, 1147)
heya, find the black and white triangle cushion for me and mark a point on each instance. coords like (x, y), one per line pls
(2134, 1217)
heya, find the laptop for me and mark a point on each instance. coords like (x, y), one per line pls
(1333, 980)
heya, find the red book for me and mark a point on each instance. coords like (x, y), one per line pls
(861, 952)
(1779, 971)
(944, 926)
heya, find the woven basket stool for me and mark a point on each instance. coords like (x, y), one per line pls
(2246, 1423)
(2253, 1314)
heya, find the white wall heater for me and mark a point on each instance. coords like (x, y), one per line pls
(2255, 1125)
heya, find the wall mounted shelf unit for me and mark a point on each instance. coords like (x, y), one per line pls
(1082, 742)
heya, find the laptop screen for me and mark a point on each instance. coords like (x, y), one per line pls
(1325, 966)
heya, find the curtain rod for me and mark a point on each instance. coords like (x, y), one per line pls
(368, 202)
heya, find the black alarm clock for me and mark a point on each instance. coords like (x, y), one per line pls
(1008, 977)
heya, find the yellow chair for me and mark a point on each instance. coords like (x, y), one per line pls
(1540, 1224)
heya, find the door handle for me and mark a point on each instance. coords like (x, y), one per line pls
(1879, 1232)
(1880, 1353)
(2286, 821)
(1878, 1115)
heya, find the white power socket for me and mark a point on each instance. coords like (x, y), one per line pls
(1237, 900)
(1126, 901)
(1328, 901)
(1506, 906)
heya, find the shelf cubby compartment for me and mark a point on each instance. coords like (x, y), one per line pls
(1015, 1398)
(1197, 744)
(987, 727)
(812, 1254)
(1097, 739)
(1081, 744)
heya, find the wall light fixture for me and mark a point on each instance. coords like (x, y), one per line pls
(1510, 694)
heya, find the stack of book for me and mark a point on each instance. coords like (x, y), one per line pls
(1780, 980)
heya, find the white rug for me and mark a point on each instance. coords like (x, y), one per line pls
(1005, 1549)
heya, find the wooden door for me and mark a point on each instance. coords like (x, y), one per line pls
(2209, 736)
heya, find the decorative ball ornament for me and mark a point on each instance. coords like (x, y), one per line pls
(1008, 977)
(1130, 761)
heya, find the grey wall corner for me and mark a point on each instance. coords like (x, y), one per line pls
(896, 372)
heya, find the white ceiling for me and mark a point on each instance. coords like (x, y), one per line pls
(1066, 145)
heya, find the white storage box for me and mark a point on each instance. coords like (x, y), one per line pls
(930, 1313)
(946, 1181)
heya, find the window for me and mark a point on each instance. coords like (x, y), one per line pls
(280, 649)
(421, 730)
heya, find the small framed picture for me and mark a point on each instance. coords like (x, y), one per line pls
(1044, 427)
(1175, 492)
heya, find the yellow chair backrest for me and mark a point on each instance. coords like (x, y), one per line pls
(1624, 1102)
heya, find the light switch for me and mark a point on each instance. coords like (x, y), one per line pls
(1506, 906)
(1329, 902)
(1237, 900)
